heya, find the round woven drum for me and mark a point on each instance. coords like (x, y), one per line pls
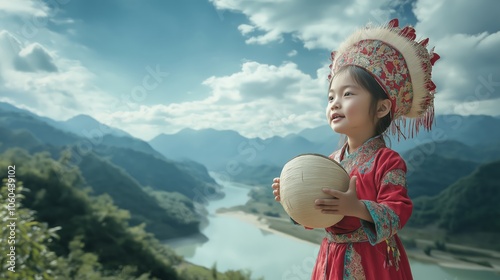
(301, 182)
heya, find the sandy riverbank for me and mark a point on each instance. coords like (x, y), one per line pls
(477, 259)
(260, 222)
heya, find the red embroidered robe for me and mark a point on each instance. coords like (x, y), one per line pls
(357, 249)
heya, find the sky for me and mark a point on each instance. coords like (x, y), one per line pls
(257, 67)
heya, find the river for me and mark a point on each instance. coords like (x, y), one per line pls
(237, 244)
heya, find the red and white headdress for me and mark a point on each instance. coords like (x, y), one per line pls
(402, 67)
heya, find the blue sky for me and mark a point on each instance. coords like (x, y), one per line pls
(257, 67)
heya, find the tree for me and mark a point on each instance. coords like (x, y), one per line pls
(27, 255)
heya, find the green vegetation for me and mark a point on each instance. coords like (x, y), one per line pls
(467, 207)
(103, 227)
(434, 174)
(260, 175)
(456, 201)
(98, 170)
(128, 194)
(65, 233)
(100, 213)
(161, 174)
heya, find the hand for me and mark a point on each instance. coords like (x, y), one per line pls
(341, 203)
(276, 189)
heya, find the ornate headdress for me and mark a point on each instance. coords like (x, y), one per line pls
(401, 66)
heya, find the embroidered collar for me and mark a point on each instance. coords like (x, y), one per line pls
(361, 155)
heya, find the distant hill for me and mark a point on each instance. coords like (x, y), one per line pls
(469, 205)
(470, 130)
(432, 167)
(86, 126)
(82, 129)
(435, 173)
(39, 128)
(454, 150)
(133, 155)
(93, 235)
(127, 193)
(473, 130)
(226, 151)
(6, 107)
(256, 175)
(210, 147)
(20, 138)
(187, 178)
(107, 178)
(119, 171)
(321, 134)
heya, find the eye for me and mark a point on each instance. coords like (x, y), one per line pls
(330, 98)
(347, 93)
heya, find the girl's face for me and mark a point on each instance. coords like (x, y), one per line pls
(348, 108)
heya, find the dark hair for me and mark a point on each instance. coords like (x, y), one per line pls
(368, 82)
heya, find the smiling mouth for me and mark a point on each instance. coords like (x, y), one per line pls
(336, 117)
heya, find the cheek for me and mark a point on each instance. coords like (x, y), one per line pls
(356, 110)
(351, 109)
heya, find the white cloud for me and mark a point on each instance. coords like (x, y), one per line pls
(257, 81)
(25, 7)
(467, 73)
(259, 99)
(319, 25)
(465, 33)
(273, 99)
(446, 17)
(56, 94)
(245, 29)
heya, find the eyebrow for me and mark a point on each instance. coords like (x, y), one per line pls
(344, 87)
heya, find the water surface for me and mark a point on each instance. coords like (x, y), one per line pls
(236, 244)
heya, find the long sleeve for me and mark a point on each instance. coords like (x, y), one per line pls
(393, 207)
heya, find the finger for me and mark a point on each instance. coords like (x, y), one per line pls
(327, 207)
(333, 192)
(276, 192)
(275, 186)
(327, 201)
(276, 180)
(277, 198)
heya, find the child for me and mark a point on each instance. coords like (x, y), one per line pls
(379, 77)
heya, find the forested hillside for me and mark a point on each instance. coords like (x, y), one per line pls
(470, 205)
(97, 208)
(101, 228)
(64, 231)
(121, 171)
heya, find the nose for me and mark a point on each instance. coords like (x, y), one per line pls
(335, 104)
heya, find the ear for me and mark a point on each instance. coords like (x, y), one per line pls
(383, 108)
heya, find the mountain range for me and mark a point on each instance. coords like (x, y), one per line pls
(120, 166)
(455, 146)
(82, 174)
(181, 162)
(467, 209)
